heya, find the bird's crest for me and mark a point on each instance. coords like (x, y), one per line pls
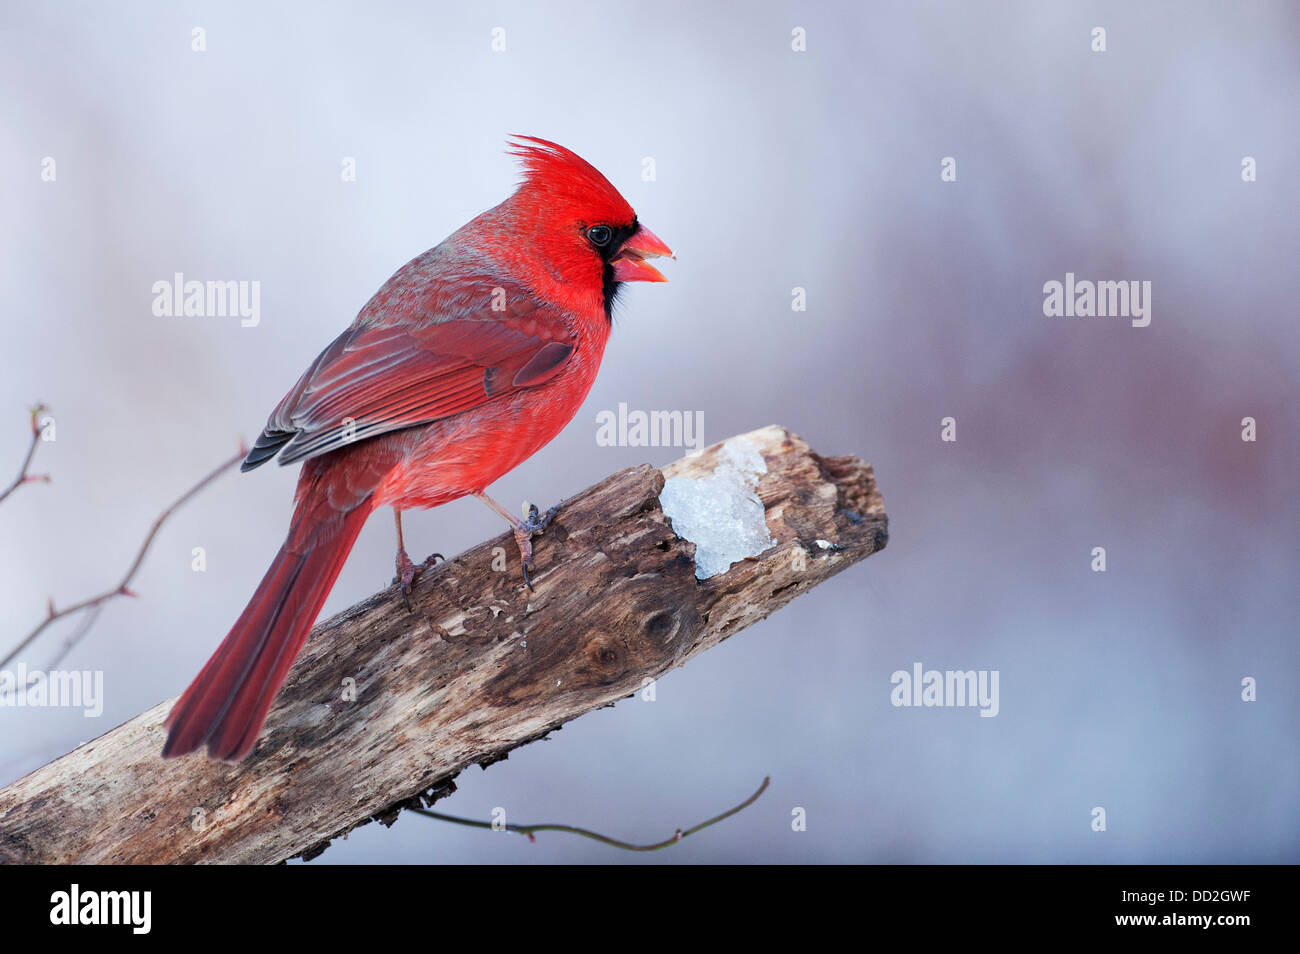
(551, 169)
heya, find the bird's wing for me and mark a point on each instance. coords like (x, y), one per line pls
(374, 379)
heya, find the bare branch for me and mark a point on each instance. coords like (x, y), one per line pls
(531, 830)
(24, 477)
(94, 603)
(384, 707)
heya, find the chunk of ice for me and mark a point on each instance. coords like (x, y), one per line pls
(721, 513)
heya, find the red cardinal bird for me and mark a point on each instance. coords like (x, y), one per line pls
(465, 363)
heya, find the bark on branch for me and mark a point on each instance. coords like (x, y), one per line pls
(478, 668)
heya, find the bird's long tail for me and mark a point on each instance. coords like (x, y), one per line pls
(227, 702)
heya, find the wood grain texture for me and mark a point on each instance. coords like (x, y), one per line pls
(479, 667)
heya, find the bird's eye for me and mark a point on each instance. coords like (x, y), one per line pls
(600, 235)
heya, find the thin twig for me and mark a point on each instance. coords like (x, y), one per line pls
(87, 621)
(24, 477)
(531, 830)
(122, 588)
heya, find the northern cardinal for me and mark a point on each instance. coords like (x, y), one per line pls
(467, 361)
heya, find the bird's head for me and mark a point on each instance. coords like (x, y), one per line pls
(581, 231)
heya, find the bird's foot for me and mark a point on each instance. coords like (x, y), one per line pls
(524, 530)
(536, 524)
(407, 572)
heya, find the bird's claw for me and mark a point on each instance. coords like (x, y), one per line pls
(524, 531)
(535, 524)
(407, 572)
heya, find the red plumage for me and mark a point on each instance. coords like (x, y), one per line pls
(466, 362)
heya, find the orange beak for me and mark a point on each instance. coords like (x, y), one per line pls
(630, 263)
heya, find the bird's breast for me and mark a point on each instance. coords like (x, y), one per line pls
(464, 453)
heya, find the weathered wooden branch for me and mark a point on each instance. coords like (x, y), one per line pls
(385, 707)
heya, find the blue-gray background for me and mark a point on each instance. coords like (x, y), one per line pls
(775, 169)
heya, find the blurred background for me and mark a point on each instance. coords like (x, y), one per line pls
(775, 169)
